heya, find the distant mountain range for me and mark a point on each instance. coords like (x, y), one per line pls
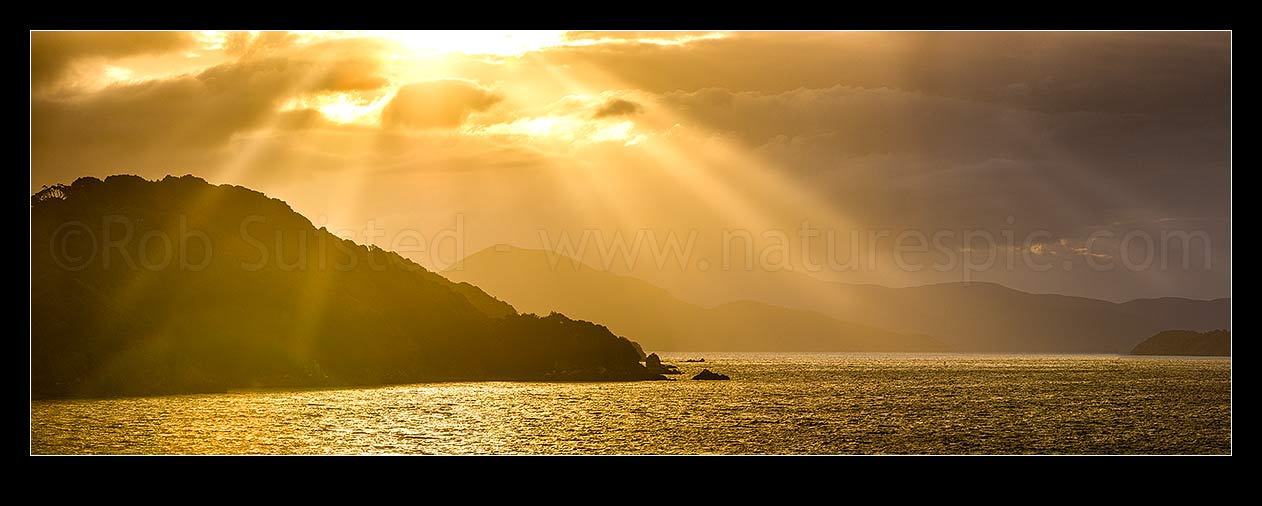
(992, 318)
(660, 321)
(965, 317)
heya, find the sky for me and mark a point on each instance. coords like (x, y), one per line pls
(1094, 164)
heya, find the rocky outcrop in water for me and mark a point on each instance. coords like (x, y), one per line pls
(655, 366)
(706, 374)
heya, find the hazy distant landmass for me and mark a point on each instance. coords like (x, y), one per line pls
(987, 317)
(964, 317)
(1215, 343)
(145, 287)
(537, 280)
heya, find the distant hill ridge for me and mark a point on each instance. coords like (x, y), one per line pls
(537, 280)
(963, 317)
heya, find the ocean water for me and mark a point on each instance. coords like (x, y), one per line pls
(774, 404)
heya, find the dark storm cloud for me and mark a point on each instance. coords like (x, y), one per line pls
(443, 103)
(53, 52)
(863, 121)
(914, 161)
(976, 162)
(618, 107)
(1062, 71)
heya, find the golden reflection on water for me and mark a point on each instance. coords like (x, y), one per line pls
(776, 403)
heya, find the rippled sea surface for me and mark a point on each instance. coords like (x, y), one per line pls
(774, 404)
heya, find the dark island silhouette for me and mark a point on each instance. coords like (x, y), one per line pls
(1214, 343)
(174, 286)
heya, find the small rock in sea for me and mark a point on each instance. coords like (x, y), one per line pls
(694, 360)
(706, 374)
(654, 364)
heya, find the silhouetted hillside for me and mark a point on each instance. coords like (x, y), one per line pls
(1215, 343)
(635, 308)
(143, 287)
